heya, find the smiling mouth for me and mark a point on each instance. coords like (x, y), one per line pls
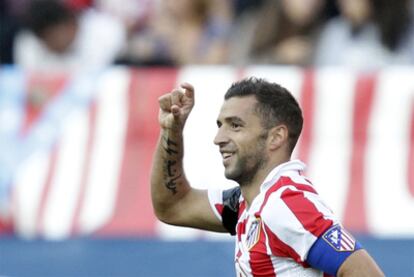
(226, 157)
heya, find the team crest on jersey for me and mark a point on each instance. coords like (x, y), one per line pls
(253, 234)
(339, 239)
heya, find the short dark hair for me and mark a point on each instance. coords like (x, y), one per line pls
(276, 105)
(43, 14)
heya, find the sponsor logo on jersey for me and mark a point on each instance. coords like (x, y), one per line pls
(253, 234)
(339, 239)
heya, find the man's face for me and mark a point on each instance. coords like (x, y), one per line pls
(241, 138)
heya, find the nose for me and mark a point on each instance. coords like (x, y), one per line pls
(221, 138)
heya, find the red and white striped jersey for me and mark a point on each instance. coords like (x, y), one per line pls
(274, 235)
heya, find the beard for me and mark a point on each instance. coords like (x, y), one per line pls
(247, 165)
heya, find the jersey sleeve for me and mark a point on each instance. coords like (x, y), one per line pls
(225, 204)
(293, 220)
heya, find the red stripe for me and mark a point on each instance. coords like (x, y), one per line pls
(260, 262)
(347, 244)
(239, 253)
(219, 208)
(46, 189)
(306, 212)
(410, 163)
(6, 224)
(241, 228)
(355, 214)
(307, 104)
(301, 187)
(85, 170)
(347, 238)
(42, 88)
(242, 207)
(133, 214)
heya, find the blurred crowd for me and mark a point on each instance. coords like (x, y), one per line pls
(87, 34)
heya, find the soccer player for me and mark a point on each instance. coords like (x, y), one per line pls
(282, 226)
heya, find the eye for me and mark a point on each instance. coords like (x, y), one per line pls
(235, 125)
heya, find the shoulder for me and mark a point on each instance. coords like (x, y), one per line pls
(293, 203)
(287, 186)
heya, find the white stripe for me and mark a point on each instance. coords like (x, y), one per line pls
(389, 203)
(65, 185)
(332, 136)
(288, 267)
(215, 197)
(209, 96)
(321, 206)
(273, 259)
(30, 182)
(107, 150)
(244, 259)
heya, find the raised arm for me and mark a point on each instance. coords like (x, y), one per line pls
(174, 200)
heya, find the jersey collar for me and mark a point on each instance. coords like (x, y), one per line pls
(274, 175)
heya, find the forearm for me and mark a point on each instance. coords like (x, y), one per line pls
(360, 264)
(168, 181)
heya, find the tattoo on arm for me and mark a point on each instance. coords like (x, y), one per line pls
(170, 146)
(171, 184)
(170, 170)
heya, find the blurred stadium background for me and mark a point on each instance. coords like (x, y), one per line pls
(78, 126)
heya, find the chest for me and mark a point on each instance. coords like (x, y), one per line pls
(257, 254)
(252, 251)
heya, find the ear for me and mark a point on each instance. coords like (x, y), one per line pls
(277, 137)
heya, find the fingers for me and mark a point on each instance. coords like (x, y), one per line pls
(165, 102)
(175, 110)
(176, 101)
(189, 90)
(173, 101)
(176, 96)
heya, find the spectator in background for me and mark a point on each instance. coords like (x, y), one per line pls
(135, 16)
(9, 26)
(183, 32)
(279, 32)
(241, 7)
(368, 34)
(58, 38)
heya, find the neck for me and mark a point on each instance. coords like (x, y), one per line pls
(252, 189)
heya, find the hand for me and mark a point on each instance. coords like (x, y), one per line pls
(175, 107)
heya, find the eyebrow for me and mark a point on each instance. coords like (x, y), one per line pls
(232, 119)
